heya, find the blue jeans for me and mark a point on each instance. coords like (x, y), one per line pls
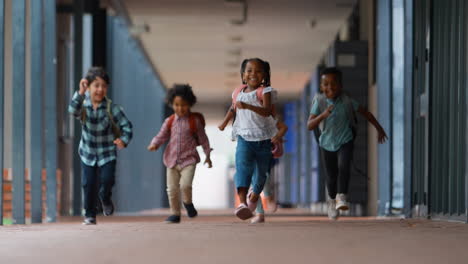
(268, 189)
(252, 156)
(106, 174)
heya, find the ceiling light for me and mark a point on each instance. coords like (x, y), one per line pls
(236, 38)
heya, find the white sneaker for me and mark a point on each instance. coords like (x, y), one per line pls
(341, 203)
(332, 212)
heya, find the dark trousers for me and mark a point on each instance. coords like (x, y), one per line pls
(91, 174)
(337, 165)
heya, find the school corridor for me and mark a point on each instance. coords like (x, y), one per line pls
(403, 60)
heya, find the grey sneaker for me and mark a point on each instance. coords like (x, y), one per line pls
(341, 203)
(89, 221)
(107, 208)
(332, 212)
(258, 218)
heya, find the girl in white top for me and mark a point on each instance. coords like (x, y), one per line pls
(254, 127)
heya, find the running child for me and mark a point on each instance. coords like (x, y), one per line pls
(184, 130)
(334, 112)
(105, 128)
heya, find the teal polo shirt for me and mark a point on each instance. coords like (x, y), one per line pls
(337, 130)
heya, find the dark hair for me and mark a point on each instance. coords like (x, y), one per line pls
(95, 72)
(266, 69)
(182, 90)
(335, 71)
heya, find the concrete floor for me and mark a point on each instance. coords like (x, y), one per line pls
(224, 239)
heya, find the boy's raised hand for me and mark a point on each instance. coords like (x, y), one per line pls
(119, 143)
(152, 147)
(382, 137)
(83, 86)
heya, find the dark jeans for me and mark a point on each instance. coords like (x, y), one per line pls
(106, 174)
(337, 165)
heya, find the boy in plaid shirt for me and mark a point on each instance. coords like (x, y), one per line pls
(104, 129)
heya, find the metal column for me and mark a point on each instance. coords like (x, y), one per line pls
(50, 108)
(36, 166)
(18, 66)
(78, 10)
(384, 80)
(408, 102)
(2, 106)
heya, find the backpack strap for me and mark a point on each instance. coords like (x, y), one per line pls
(236, 93)
(115, 128)
(193, 122)
(351, 114)
(322, 105)
(83, 115)
(170, 121)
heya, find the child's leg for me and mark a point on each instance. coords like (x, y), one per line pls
(345, 155)
(263, 158)
(89, 183)
(173, 189)
(107, 180)
(269, 188)
(244, 168)
(260, 209)
(330, 160)
(186, 180)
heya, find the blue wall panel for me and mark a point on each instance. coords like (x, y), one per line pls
(140, 179)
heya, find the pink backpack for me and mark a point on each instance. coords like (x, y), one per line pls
(277, 149)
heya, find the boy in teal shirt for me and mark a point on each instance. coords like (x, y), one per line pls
(334, 112)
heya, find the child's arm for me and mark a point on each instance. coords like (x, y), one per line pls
(204, 142)
(265, 111)
(282, 129)
(315, 120)
(228, 117)
(161, 137)
(76, 104)
(382, 137)
(126, 128)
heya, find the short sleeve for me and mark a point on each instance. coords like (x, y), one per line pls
(314, 110)
(267, 89)
(274, 94)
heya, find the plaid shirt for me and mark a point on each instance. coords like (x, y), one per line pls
(96, 144)
(182, 147)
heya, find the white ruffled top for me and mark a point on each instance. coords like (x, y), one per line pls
(250, 125)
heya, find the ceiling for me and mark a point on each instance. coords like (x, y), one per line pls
(193, 41)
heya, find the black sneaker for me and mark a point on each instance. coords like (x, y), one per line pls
(173, 219)
(107, 209)
(191, 211)
(89, 221)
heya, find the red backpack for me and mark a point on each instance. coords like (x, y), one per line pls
(192, 123)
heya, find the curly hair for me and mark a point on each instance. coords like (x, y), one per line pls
(95, 72)
(182, 90)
